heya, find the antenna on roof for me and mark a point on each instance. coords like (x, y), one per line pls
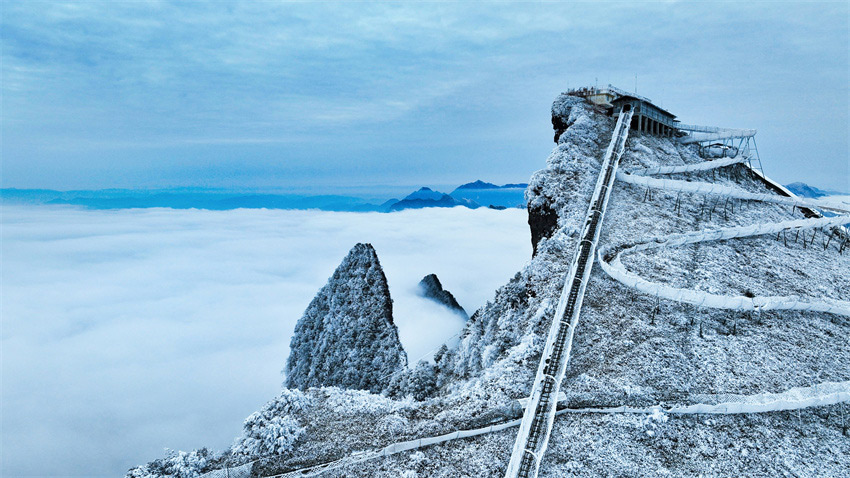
(635, 83)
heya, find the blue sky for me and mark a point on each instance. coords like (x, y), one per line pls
(317, 96)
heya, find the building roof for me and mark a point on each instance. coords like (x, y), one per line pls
(643, 100)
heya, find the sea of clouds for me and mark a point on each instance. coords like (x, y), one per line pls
(128, 331)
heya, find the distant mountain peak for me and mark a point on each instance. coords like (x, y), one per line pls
(806, 191)
(431, 288)
(427, 197)
(478, 184)
(425, 193)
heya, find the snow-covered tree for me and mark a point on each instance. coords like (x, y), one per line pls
(397, 386)
(176, 464)
(423, 381)
(273, 429)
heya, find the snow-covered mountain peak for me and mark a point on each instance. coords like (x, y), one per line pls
(630, 349)
(347, 337)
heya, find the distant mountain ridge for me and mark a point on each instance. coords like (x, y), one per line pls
(479, 184)
(472, 195)
(184, 198)
(511, 195)
(426, 197)
(804, 190)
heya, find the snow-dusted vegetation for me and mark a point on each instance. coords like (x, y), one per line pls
(347, 336)
(272, 430)
(176, 464)
(629, 350)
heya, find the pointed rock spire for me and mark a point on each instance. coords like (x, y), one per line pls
(431, 288)
(346, 337)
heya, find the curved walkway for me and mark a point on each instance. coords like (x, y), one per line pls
(609, 255)
(827, 393)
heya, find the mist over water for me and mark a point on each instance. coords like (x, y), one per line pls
(127, 331)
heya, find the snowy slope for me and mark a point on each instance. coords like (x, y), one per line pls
(632, 350)
(629, 348)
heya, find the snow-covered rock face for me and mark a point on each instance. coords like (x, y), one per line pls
(347, 337)
(511, 327)
(571, 168)
(628, 341)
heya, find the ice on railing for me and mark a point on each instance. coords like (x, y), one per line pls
(721, 190)
(821, 394)
(398, 447)
(826, 393)
(609, 259)
(728, 134)
(609, 255)
(714, 129)
(600, 196)
(688, 168)
(524, 401)
(241, 471)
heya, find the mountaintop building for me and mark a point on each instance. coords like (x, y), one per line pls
(648, 118)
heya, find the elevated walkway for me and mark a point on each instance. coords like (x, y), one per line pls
(536, 426)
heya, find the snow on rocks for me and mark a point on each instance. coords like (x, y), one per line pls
(630, 350)
(346, 336)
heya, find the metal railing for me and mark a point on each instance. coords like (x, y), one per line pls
(533, 436)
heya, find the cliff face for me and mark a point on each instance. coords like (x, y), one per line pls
(557, 199)
(347, 337)
(579, 134)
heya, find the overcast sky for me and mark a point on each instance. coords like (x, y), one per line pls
(274, 95)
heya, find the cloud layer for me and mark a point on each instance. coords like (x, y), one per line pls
(127, 331)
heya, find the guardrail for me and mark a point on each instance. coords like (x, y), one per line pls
(608, 255)
(535, 429)
(826, 393)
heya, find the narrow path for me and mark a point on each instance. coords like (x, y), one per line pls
(827, 393)
(541, 407)
(609, 255)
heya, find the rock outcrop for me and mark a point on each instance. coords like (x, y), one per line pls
(347, 337)
(431, 288)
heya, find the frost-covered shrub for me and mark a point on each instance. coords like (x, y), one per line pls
(393, 424)
(176, 464)
(358, 403)
(490, 332)
(652, 422)
(272, 430)
(423, 381)
(397, 386)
